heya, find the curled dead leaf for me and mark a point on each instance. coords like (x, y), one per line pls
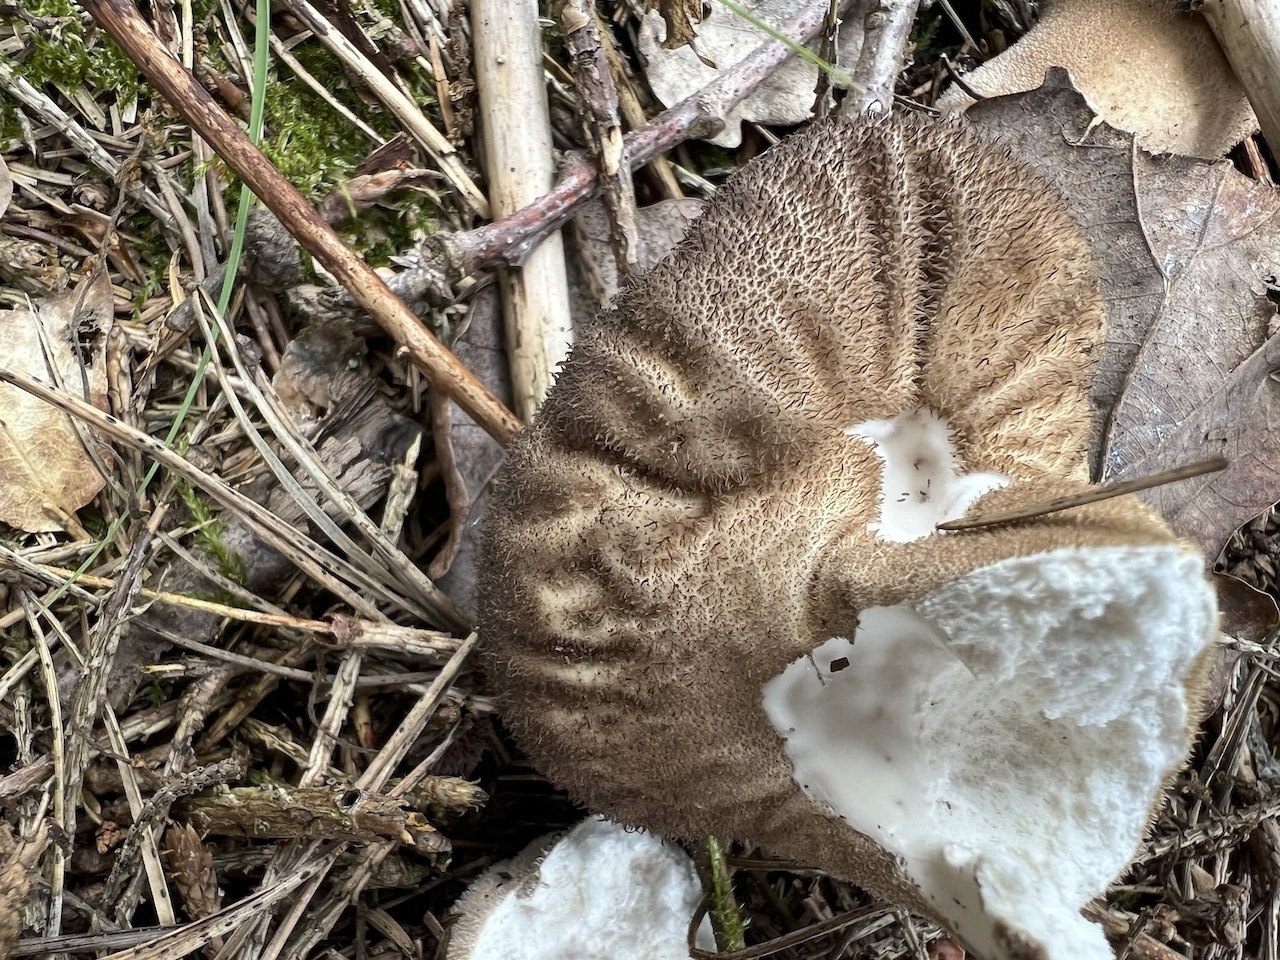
(46, 474)
(1189, 251)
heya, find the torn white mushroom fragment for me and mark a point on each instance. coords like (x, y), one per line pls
(711, 493)
(600, 892)
(923, 484)
(903, 730)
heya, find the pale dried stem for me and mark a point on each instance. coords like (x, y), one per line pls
(515, 126)
(1249, 33)
(330, 727)
(90, 693)
(191, 937)
(387, 558)
(306, 554)
(22, 91)
(49, 677)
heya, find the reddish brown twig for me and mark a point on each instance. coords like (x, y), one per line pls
(127, 28)
(1104, 492)
(508, 241)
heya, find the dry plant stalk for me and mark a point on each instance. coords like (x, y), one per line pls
(515, 124)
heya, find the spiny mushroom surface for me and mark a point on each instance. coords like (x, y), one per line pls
(715, 600)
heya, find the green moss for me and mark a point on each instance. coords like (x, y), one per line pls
(209, 535)
(382, 232)
(310, 142)
(724, 905)
(153, 281)
(71, 55)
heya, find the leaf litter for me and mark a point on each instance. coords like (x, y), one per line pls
(1189, 252)
(251, 669)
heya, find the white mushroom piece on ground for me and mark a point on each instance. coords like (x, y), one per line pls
(1144, 66)
(598, 892)
(715, 600)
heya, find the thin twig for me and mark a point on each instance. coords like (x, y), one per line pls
(122, 21)
(886, 31)
(1104, 492)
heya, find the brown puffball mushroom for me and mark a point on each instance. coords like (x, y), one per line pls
(1143, 65)
(714, 597)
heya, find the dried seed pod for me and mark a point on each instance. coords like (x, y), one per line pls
(714, 598)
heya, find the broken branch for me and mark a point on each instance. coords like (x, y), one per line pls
(126, 26)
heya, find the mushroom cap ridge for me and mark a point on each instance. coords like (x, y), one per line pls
(687, 515)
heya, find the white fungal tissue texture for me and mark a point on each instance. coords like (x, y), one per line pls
(603, 893)
(1006, 734)
(922, 484)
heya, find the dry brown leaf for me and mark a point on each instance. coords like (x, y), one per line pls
(1189, 252)
(345, 202)
(1148, 68)
(46, 474)
(659, 227)
(723, 39)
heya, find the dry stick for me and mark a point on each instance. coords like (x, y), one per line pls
(886, 28)
(601, 124)
(507, 242)
(1249, 33)
(632, 111)
(515, 125)
(1103, 492)
(127, 28)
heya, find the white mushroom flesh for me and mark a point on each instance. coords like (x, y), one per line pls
(922, 483)
(601, 893)
(907, 731)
